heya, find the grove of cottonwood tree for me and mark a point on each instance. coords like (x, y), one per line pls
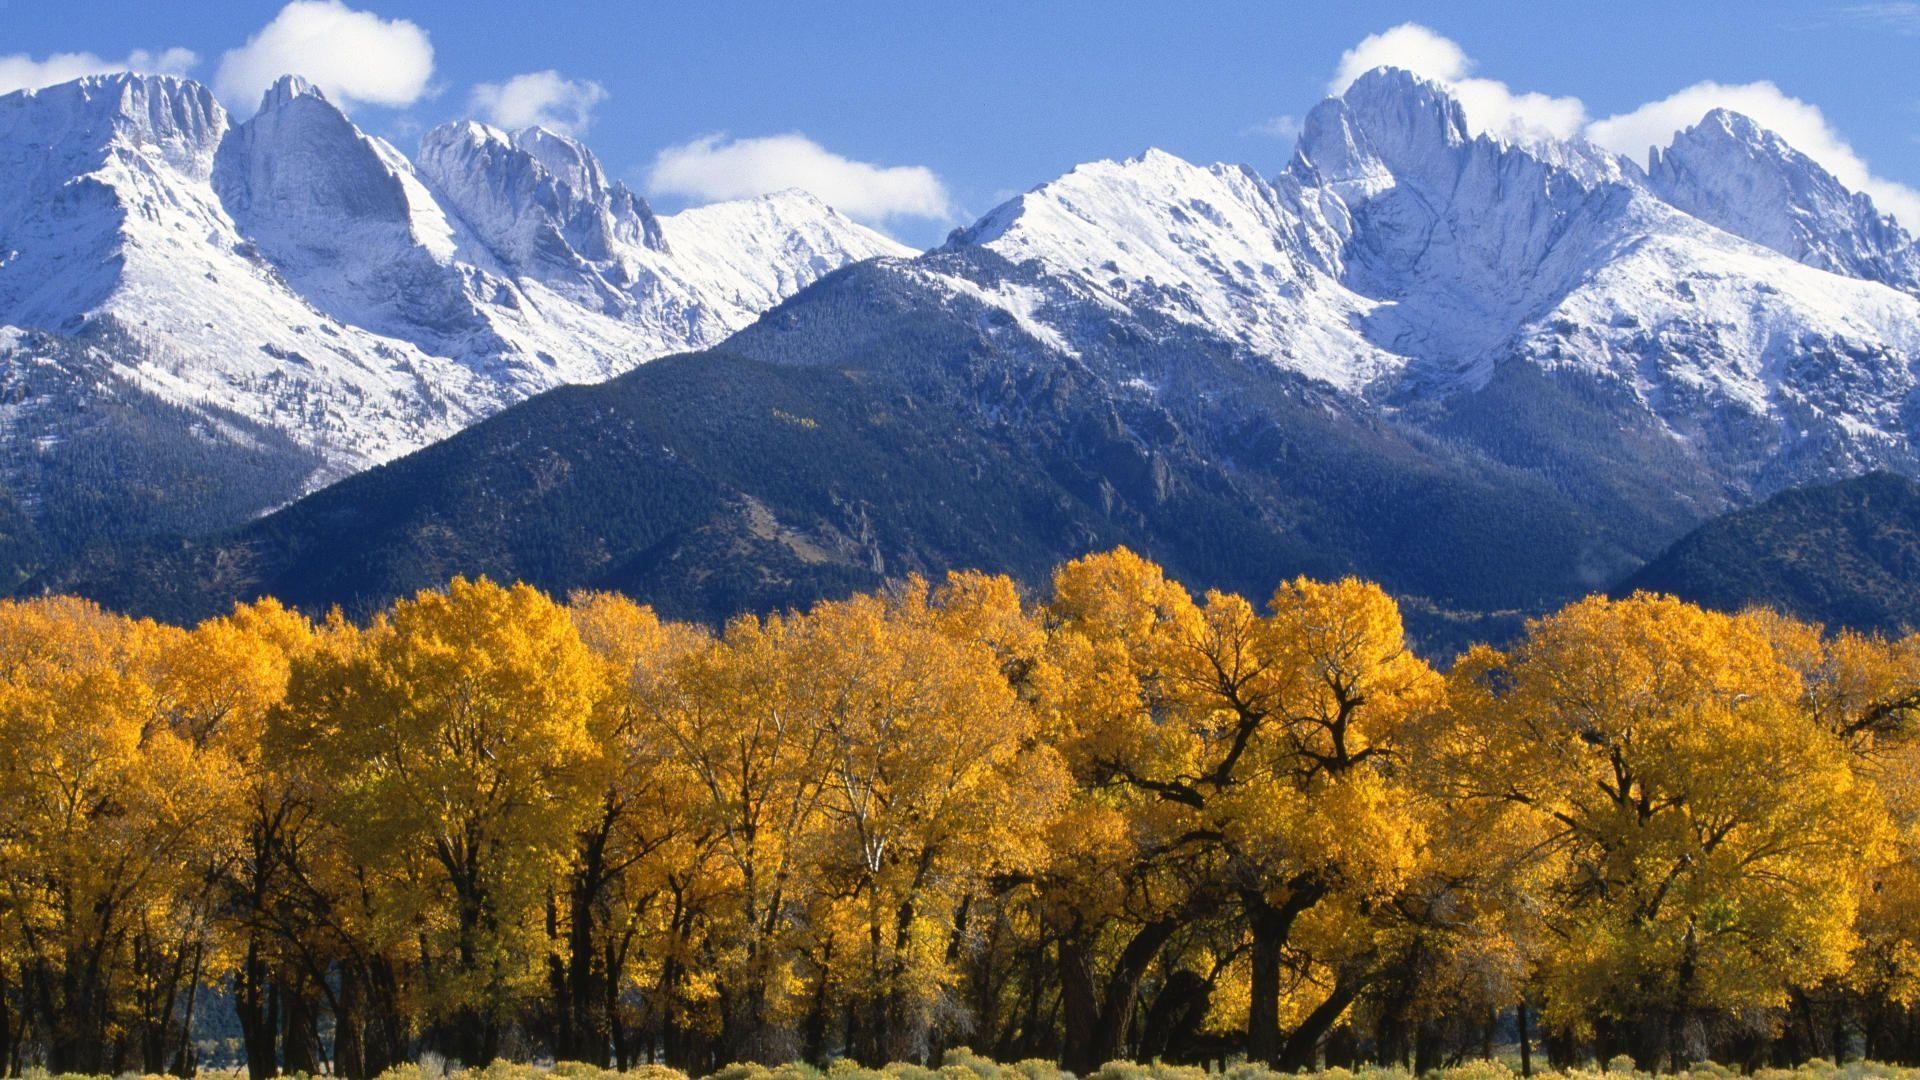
(1118, 821)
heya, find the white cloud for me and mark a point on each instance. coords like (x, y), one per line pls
(1495, 108)
(715, 167)
(1800, 123)
(1504, 112)
(19, 71)
(539, 98)
(354, 57)
(1278, 127)
(1409, 46)
(1491, 106)
(1900, 16)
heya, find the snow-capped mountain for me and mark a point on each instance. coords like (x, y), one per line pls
(1492, 374)
(1403, 317)
(1749, 307)
(291, 276)
(1730, 172)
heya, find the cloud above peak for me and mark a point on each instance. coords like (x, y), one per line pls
(1494, 108)
(715, 167)
(1410, 47)
(539, 98)
(1491, 106)
(1800, 123)
(354, 57)
(18, 71)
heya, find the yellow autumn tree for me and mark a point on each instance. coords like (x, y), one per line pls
(1866, 690)
(1259, 753)
(212, 688)
(759, 768)
(109, 815)
(935, 784)
(1127, 867)
(216, 685)
(1322, 820)
(1706, 836)
(456, 737)
(607, 908)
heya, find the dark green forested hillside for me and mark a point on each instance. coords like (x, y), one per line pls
(1844, 554)
(114, 464)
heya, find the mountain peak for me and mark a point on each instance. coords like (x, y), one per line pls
(1736, 124)
(468, 132)
(285, 89)
(174, 117)
(1733, 131)
(795, 197)
(535, 196)
(796, 211)
(1388, 122)
(564, 157)
(340, 216)
(1392, 102)
(1399, 89)
(123, 86)
(300, 157)
(1740, 176)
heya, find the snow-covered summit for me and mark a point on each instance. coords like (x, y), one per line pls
(539, 200)
(543, 209)
(1733, 173)
(295, 273)
(1402, 258)
(1216, 248)
(723, 240)
(174, 119)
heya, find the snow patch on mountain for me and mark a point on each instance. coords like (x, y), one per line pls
(1217, 248)
(720, 248)
(541, 205)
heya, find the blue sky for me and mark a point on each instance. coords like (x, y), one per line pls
(924, 115)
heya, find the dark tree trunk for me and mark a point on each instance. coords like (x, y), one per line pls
(1426, 1049)
(259, 1037)
(1097, 1021)
(610, 991)
(1522, 1018)
(299, 1041)
(186, 1060)
(1650, 1036)
(1343, 1048)
(1173, 1020)
(1562, 1053)
(1269, 925)
(813, 1034)
(370, 1037)
(350, 1050)
(1301, 1047)
(1263, 987)
(584, 1030)
(75, 1018)
(673, 1045)
(7, 1047)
